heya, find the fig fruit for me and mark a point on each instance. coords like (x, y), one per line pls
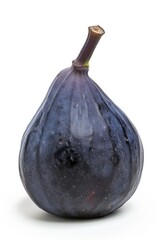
(80, 155)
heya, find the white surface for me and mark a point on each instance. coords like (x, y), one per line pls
(37, 40)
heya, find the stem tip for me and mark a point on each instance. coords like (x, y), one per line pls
(94, 35)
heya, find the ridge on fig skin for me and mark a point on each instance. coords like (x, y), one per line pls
(89, 144)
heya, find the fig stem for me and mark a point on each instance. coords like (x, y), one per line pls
(94, 35)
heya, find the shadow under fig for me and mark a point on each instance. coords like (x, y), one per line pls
(29, 210)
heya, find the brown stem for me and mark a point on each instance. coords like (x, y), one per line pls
(94, 35)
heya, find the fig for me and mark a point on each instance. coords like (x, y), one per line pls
(80, 155)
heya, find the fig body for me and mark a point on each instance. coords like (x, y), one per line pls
(80, 155)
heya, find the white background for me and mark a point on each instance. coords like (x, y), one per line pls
(37, 40)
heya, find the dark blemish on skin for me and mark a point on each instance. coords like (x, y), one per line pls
(92, 149)
(66, 156)
(115, 159)
(60, 140)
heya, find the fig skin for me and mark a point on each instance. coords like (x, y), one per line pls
(80, 155)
